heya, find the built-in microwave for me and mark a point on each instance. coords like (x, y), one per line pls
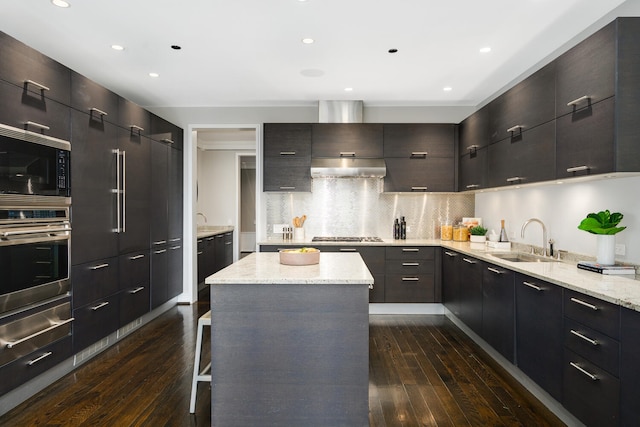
(33, 164)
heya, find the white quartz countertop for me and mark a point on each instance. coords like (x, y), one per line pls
(212, 230)
(265, 268)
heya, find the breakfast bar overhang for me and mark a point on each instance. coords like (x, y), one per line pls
(290, 344)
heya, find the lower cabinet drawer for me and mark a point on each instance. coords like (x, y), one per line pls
(95, 321)
(410, 267)
(596, 347)
(593, 312)
(590, 393)
(134, 303)
(94, 280)
(409, 288)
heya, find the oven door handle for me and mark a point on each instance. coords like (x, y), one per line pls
(34, 231)
(50, 328)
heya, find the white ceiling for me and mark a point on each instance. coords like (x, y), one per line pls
(249, 52)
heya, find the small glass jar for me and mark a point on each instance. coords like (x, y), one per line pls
(460, 233)
(446, 231)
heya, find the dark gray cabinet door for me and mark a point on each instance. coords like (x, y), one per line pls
(416, 174)
(93, 99)
(93, 179)
(363, 140)
(498, 310)
(136, 188)
(159, 221)
(95, 321)
(473, 170)
(585, 140)
(471, 293)
(134, 118)
(586, 73)
(528, 104)
(287, 157)
(174, 287)
(176, 180)
(539, 332)
(407, 140)
(451, 280)
(525, 158)
(94, 280)
(474, 131)
(159, 277)
(629, 367)
(134, 286)
(166, 132)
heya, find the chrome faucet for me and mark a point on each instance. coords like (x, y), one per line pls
(203, 216)
(544, 233)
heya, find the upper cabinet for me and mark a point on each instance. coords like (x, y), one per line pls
(287, 157)
(133, 117)
(472, 149)
(420, 157)
(362, 140)
(166, 132)
(89, 97)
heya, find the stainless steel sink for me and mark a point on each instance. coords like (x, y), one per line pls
(519, 257)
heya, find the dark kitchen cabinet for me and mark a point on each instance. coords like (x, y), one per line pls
(410, 274)
(538, 334)
(94, 280)
(473, 170)
(287, 157)
(474, 131)
(33, 72)
(166, 132)
(472, 149)
(159, 221)
(159, 276)
(134, 118)
(523, 158)
(220, 252)
(134, 285)
(34, 112)
(407, 140)
(451, 281)
(89, 97)
(528, 104)
(174, 287)
(498, 310)
(209, 256)
(629, 368)
(175, 200)
(200, 260)
(420, 173)
(360, 140)
(471, 270)
(95, 321)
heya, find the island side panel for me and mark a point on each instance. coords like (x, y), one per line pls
(289, 355)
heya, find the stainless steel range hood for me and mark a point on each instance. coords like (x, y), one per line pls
(348, 168)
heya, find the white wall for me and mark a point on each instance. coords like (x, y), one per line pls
(561, 208)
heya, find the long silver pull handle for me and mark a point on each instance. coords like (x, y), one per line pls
(161, 251)
(411, 264)
(124, 191)
(133, 258)
(287, 188)
(210, 238)
(578, 168)
(228, 243)
(37, 359)
(347, 250)
(347, 154)
(587, 373)
(583, 337)
(410, 250)
(532, 286)
(418, 188)
(410, 279)
(419, 153)
(176, 239)
(515, 128)
(35, 231)
(287, 153)
(96, 110)
(451, 254)
(99, 266)
(578, 100)
(99, 306)
(37, 125)
(469, 261)
(118, 229)
(136, 290)
(473, 147)
(471, 186)
(136, 127)
(493, 270)
(200, 252)
(36, 84)
(50, 328)
(514, 179)
(160, 242)
(585, 304)
(168, 141)
(173, 248)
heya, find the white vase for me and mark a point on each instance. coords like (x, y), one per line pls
(478, 239)
(606, 249)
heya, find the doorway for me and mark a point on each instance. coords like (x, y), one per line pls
(247, 208)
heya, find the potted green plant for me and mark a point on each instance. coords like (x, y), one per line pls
(478, 234)
(605, 225)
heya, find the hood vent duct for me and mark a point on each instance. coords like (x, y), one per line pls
(347, 168)
(339, 111)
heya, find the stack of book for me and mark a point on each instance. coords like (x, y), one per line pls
(606, 269)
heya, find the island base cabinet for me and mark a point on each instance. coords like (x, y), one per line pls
(289, 355)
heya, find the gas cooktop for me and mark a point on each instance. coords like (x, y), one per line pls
(345, 239)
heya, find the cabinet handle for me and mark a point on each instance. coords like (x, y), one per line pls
(99, 306)
(411, 264)
(514, 179)
(200, 252)
(347, 154)
(287, 188)
(493, 270)
(98, 267)
(578, 168)
(472, 186)
(36, 125)
(133, 258)
(287, 153)
(587, 373)
(36, 84)
(177, 239)
(117, 190)
(410, 279)
(587, 339)
(473, 147)
(470, 261)
(173, 248)
(418, 188)
(419, 153)
(160, 242)
(515, 128)
(161, 251)
(136, 290)
(136, 127)
(532, 286)
(577, 101)
(50, 328)
(410, 250)
(96, 110)
(347, 250)
(210, 238)
(586, 304)
(219, 236)
(228, 243)
(37, 359)
(168, 141)
(451, 254)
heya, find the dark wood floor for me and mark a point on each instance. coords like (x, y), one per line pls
(423, 372)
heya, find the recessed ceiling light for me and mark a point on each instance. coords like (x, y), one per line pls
(348, 89)
(393, 50)
(60, 3)
(154, 75)
(447, 88)
(176, 47)
(485, 49)
(307, 40)
(117, 47)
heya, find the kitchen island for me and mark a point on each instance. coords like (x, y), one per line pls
(290, 344)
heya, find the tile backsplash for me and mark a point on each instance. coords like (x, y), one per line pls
(358, 207)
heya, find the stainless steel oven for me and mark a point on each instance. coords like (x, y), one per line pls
(35, 165)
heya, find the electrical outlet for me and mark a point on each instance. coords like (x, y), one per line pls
(621, 249)
(279, 228)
